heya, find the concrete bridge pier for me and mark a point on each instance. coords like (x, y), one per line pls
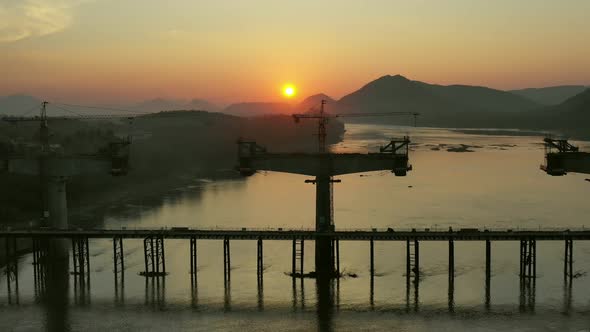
(324, 246)
(57, 202)
(56, 291)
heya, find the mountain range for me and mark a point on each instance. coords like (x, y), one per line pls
(559, 108)
(551, 95)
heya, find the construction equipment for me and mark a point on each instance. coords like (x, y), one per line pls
(562, 157)
(54, 167)
(323, 166)
(323, 119)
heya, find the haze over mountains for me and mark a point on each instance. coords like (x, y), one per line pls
(439, 105)
(551, 95)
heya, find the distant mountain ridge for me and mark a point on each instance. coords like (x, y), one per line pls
(552, 95)
(162, 104)
(453, 106)
(25, 105)
(398, 91)
(312, 103)
(257, 108)
(572, 116)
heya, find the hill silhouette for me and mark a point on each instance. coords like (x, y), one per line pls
(453, 106)
(482, 98)
(572, 116)
(257, 109)
(162, 104)
(312, 103)
(552, 95)
(167, 148)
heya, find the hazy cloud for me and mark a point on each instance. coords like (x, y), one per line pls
(20, 19)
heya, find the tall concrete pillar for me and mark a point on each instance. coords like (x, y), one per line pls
(57, 201)
(324, 261)
(57, 284)
(323, 204)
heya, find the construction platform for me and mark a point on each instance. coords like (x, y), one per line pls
(376, 234)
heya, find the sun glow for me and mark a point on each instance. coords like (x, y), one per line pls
(289, 90)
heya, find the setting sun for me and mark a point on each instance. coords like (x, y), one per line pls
(289, 91)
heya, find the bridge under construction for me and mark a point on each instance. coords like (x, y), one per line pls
(155, 257)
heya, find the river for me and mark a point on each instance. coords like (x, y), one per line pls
(498, 185)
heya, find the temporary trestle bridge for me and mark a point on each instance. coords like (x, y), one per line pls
(155, 258)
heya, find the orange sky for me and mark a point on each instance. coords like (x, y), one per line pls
(227, 51)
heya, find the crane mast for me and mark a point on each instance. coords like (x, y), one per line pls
(53, 167)
(323, 119)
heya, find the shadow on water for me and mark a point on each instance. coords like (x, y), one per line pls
(155, 292)
(325, 303)
(54, 296)
(134, 208)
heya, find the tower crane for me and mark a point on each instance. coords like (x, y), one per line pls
(54, 167)
(323, 119)
(323, 166)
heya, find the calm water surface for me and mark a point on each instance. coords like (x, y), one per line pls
(499, 185)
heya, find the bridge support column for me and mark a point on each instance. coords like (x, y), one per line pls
(193, 259)
(451, 261)
(11, 267)
(226, 275)
(412, 259)
(81, 262)
(372, 258)
(528, 259)
(324, 260)
(154, 256)
(40, 252)
(81, 258)
(568, 261)
(226, 262)
(259, 262)
(528, 273)
(298, 257)
(260, 273)
(57, 202)
(336, 256)
(118, 259)
(57, 286)
(119, 269)
(488, 272)
(451, 297)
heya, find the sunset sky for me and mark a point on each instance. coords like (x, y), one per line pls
(112, 51)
